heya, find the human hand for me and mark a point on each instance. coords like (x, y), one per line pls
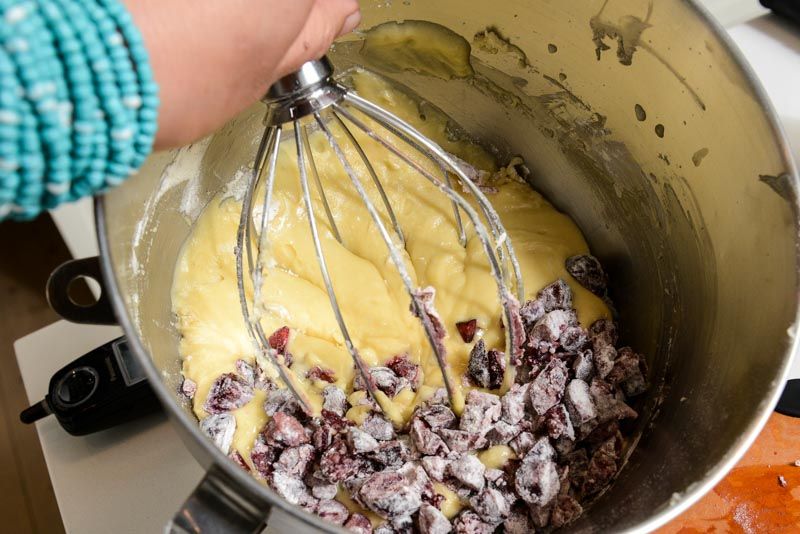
(213, 58)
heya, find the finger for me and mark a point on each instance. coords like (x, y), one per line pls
(328, 19)
(213, 56)
(350, 23)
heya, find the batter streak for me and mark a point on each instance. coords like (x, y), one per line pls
(374, 304)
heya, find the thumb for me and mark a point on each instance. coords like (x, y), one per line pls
(327, 20)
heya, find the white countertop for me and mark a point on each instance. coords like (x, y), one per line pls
(133, 478)
(129, 479)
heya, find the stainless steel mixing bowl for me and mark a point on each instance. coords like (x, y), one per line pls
(638, 119)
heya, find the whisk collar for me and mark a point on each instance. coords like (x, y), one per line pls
(308, 90)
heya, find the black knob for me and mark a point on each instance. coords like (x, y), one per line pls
(33, 413)
(789, 403)
(789, 9)
(76, 386)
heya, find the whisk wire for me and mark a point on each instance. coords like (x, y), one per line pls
(263, 234)
(497, 235)
(370, 170)
(252, 325)
(321, 190)
(462, 234)
(264, 150)
(361, 367)
(395, 124)
(453, 392)
(507, 300)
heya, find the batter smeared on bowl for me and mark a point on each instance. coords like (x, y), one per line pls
(522, 458)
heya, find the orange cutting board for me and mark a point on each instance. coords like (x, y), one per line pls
(751, 498)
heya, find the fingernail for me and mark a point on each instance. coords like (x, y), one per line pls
(350, 23)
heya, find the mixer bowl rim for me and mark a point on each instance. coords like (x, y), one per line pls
(682, 500)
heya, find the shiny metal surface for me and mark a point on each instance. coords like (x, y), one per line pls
(218, 505)
(310, 74)
(695, 219)
(309, 90)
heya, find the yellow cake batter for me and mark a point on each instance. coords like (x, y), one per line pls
(374, 304)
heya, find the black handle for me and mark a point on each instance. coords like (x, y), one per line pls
(789, 403)
(789, 9)
(58, 293)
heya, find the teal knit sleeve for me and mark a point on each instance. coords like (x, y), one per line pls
(78, 103)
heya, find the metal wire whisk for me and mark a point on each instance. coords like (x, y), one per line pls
(308, 92)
